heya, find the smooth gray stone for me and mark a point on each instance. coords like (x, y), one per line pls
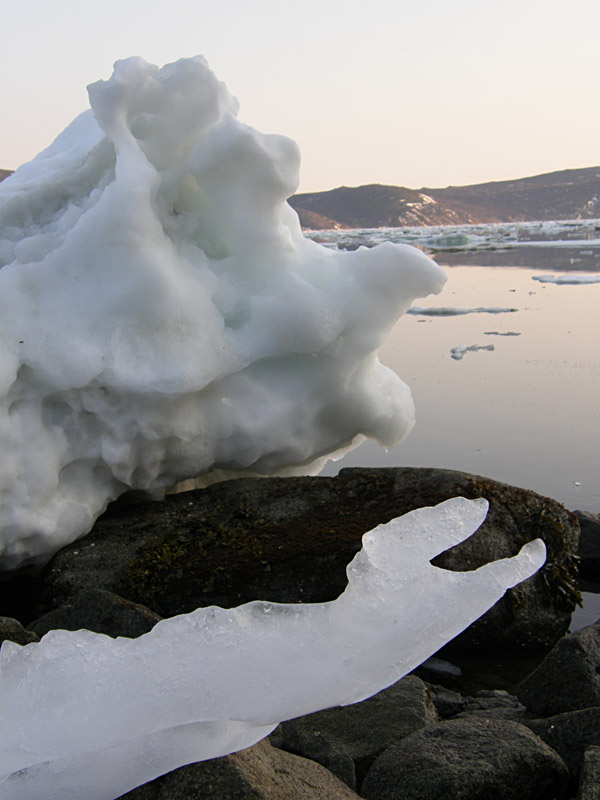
(99, 611)
(259, 773)
(471, 759)
(347, 739)
(569, 676)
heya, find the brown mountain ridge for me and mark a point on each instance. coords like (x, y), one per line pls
(568, 194)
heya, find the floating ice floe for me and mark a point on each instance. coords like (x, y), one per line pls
(162, 315)
(87, 716)
(459, 351)
(567, 279)
(449, 311)
(484, 237)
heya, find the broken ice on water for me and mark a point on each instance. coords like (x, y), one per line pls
(459, 351)
(84, 715)
(572, 280)
(454, 311)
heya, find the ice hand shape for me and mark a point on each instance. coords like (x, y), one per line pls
(84, 715)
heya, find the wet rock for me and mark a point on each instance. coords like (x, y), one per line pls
(11, 630)
(290, 540)
(468, 760)
(99, 611)
(447, 702)
(589, 545)
(570, 734)
(259, 773)
(309, 742)
(589, 784)
(495, 704)
(361, 731)
(569, 676)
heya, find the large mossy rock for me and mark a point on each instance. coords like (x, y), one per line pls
(290, 539)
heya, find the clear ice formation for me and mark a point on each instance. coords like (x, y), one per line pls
(162, 315)
(86, 716)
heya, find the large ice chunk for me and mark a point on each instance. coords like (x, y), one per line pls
(84, 715)
(162, 315)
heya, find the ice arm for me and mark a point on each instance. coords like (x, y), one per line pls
(222, 678)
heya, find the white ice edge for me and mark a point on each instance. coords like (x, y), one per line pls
(84, 715)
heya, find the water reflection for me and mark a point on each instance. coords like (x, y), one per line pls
(526, 412)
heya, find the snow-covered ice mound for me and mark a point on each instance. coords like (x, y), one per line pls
(162, 315)
(87, 716)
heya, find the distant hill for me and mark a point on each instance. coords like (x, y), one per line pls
(569, 194)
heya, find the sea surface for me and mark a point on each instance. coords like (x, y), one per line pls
(509, 387)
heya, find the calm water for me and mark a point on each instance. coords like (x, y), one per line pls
(526, 412)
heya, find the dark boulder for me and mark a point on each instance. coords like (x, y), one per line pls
(11, 630)
(468, 760)
(495, 704)
(259, 773)
(290, 539)
(99, 611)
(589, 545)
(589, 783)
(570, 734)
(356, 734)
(568, 678)
(448, 703)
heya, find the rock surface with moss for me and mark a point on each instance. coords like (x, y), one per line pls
(290, 539)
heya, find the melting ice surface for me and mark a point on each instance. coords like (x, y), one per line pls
(162, 315)
(91, 717)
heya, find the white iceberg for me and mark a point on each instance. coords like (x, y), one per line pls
(162, 315)
(86, 716)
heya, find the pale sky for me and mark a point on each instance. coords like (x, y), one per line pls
(420, 93)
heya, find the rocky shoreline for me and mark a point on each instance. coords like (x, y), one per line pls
(433, 734)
